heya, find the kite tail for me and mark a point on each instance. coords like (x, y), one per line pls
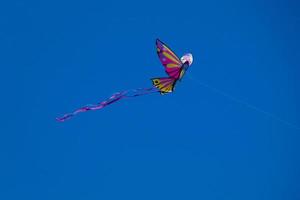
(114, 98)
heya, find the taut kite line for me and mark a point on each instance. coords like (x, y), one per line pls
(174, 67)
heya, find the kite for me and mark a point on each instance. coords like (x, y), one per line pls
(174, 67)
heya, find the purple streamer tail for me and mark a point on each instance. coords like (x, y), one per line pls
(114, 98)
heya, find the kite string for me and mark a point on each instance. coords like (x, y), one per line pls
(112, 99)
(249, 105)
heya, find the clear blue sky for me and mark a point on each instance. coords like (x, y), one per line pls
(191, 144)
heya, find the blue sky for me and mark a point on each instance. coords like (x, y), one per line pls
(192, 144)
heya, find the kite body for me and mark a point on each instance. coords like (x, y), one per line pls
(174, 67)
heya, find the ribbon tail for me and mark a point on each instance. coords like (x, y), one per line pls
(113, 99)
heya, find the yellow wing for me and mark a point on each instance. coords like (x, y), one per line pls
(165, 85)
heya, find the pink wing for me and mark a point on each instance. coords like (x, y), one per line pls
(169, 60)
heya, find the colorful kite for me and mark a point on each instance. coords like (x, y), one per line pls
(174, 67)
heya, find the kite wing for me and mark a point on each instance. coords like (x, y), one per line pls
(169, 59)
(164, 85)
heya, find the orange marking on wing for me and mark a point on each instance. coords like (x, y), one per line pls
(172, 65)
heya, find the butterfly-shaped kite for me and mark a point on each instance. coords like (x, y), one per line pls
(174, 67)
